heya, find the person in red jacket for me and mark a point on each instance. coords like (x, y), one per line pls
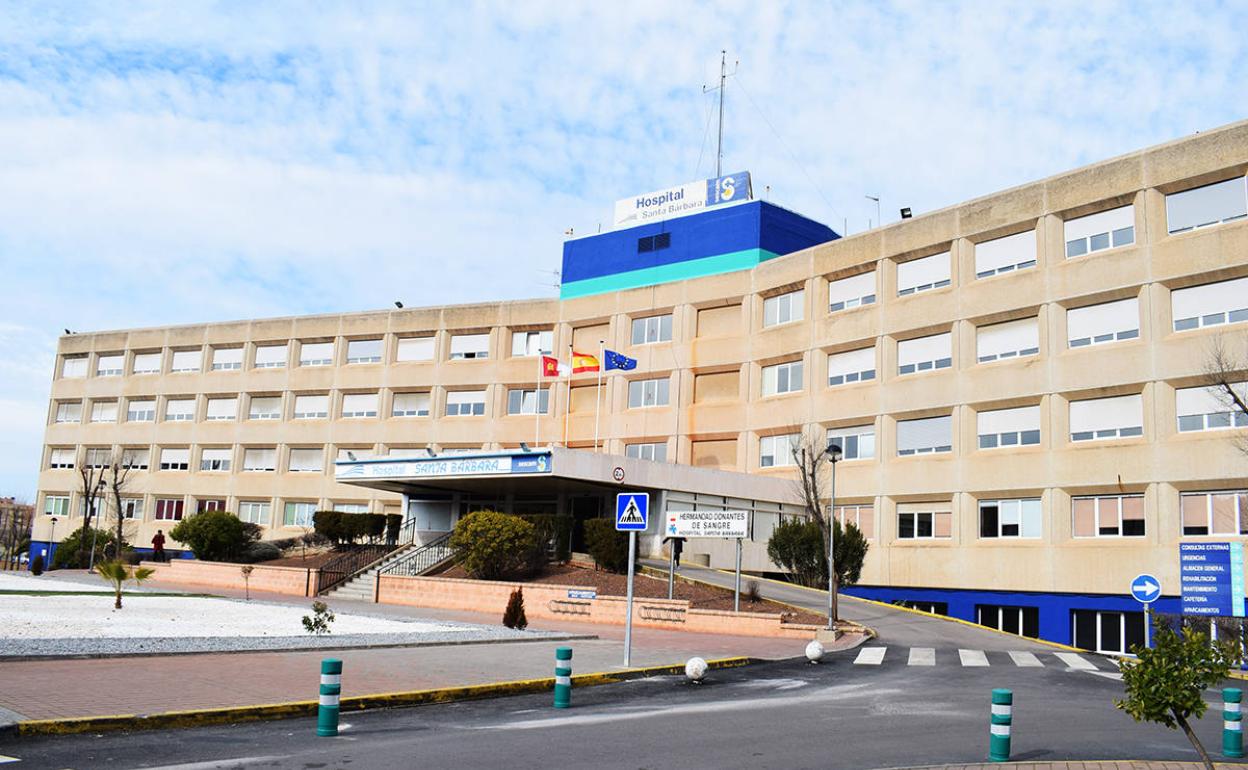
(158, 546)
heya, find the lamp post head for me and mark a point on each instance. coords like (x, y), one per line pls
(833, 452)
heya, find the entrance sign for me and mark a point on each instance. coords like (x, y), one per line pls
(682, 199)
(486, 464)
(632, 511)
(1212, 579)
(708, 524)
(1145, 588)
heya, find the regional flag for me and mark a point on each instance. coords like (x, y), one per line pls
(618, 361)
(582, 362)
(550, 367)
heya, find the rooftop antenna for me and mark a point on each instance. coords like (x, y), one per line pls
(723, 76)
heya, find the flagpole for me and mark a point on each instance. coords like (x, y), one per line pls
(537, 408)
(598, 391)
(567, 408)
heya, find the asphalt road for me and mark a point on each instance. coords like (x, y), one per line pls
(783, 714)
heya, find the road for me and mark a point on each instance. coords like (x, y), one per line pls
(780, 714)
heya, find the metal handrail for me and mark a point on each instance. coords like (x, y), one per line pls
(340, 569)
(422, 559)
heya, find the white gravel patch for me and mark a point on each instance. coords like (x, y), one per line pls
(24, 581)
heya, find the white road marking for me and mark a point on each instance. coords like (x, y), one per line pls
(922, 656)
(1110, 675)
(6, 760)
(1025, 659)
(221, 764)
(870, 656)
(1075, 661)
(973, 657)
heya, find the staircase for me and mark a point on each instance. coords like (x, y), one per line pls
(408, 560)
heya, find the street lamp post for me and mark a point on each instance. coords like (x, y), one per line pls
(95, 530)
(51, 543)
(834, 454)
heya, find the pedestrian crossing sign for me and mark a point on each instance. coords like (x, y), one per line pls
(632, 511)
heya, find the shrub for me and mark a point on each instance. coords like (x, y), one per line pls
(36, 566)
(318, 622)
(70, 549)
(283, 543)
(608, 547)
(513, 616)
(376, 524)
(752, 593)
(552, 537)
(797, 546)
(394, 525)
(328, 524)
(491, 545)
(213, 535)
(264, 550)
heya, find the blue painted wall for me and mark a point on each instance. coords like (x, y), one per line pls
(42, 547)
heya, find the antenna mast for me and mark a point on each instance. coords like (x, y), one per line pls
(723, 77)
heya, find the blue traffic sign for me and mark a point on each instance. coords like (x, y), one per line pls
(632, 511)
(1145, 588)
(1212, 579)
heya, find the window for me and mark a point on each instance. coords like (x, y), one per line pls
(851, 366)
(924, 354)
(856, 443)
(1107, 632)
(265, 408)
(1204, 206)
(784, 308)
(465, 346)
(260, 459)
(1005, 255)
(169, 509)
(359, 405)
(312, 407)
(103, 411)
(316, 353)
(1010, 518)
(646, 393)
(524, 401)
(180, 410)
(141, 411)
(99, 457)
(851, 292)
(861, 516)
(924, 521)
(654, 243)
(111, 365)
(465, 403)
(364, 351)
(175, 459)
(254, 512)
(1012, 620)
(298, 514)
(209, 505)
(925, 436)
(413, 405)
(135, 458)
(146, 363)
(61, 458)
(74, 367)
(1100, 231)
(923, 274)
(1009, 427)
(307, 460)
(777, 451)
(215, 459)
(1107, 322)
(532, 343)
(271, 356)
(351, 507)
(656, 328)
(222, 409)
(1108, 516)
(1213, 304)
(1210, 408)
(656, 451)
(415, 349)
(1215, 513)
(782, 378)
(132, 508)
(1012, 339)
(187, 361)
(227, 359)
(56, 505)
(69, 411)
(1106, 418)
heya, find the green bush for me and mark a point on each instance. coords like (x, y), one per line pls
(328, 524)
(608, 546)
(213, 535)
(394, 525)
(490, 545)
(261, 551)
(552, 533)
(70, 549)
(797, 547)
(36, 566)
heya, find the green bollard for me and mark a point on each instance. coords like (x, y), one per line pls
(1232, 723)
(331, 690)
(1002, 718)
(563, 677)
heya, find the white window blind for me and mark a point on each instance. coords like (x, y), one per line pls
(62, 458)
(1009, 427)
(316, 353)
(531, 343)
(270, 356)
(924, 353)
(782, 378)
(186, 361)
(1106, 322)
(215, 459)
(856, 443)
(1098, 418)
(74, 367)
(851, 366)
(411, 405)
(100, 458)
(1211, 304)
(923, 274)
(462, 403)
(222, 409)
(136, 458)
(1011, 339)
(256, 459)
(110, 365)
(174, 459)
(930, 434)
(1208, 205)
(266, 408)
(1210, 408)
(415, 349)
(784, 308)
(851, 292)
(777, 451)
(180, 410)
(311, 407)
(359, 405)
(306, 460)
(1099, 231)
(104, 411)
(146, 363)
(464, 346)
(227, 359)
(363, 351)
(1003, 255)
(69, 411)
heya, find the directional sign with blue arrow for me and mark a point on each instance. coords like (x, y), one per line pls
(1145, 588)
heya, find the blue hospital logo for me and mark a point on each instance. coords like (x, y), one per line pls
(727, 188)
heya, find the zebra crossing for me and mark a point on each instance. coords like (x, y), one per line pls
(930, 656)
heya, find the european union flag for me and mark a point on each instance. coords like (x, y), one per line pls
(617, 361)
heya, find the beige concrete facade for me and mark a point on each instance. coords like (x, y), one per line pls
(714, 364)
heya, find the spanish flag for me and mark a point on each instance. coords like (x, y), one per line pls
(583, 363)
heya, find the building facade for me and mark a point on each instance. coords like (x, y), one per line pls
(1016, 381)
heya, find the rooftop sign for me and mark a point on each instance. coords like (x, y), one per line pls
(682, 200)
(445, 467)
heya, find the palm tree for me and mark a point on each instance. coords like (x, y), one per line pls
(117, 573)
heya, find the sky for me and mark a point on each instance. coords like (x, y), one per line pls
(166, 163)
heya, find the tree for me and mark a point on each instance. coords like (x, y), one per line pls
(91, 477)
(1165, 683)
(797, 546)
(513, 615)
(1226, 370)
(117, 477)
(117, 573)
(214, 535)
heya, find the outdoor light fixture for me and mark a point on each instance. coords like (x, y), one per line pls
(524, 447)
(834, 456)
(398, 304)
(429, 451)
(350, 455)
(905, 213)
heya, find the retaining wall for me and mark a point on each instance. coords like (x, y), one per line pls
(293, 581)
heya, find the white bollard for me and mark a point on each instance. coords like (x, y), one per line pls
(695, 669)
(814, 651)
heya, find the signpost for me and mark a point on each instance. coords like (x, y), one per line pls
(632, 515)
(1211, 576)
(734, 524)
(1146, 589)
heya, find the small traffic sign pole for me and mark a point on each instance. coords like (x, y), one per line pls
(632, 515)
(628, 619)
(1146, 589)
(736, 596)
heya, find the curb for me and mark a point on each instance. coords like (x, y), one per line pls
(202, 717)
